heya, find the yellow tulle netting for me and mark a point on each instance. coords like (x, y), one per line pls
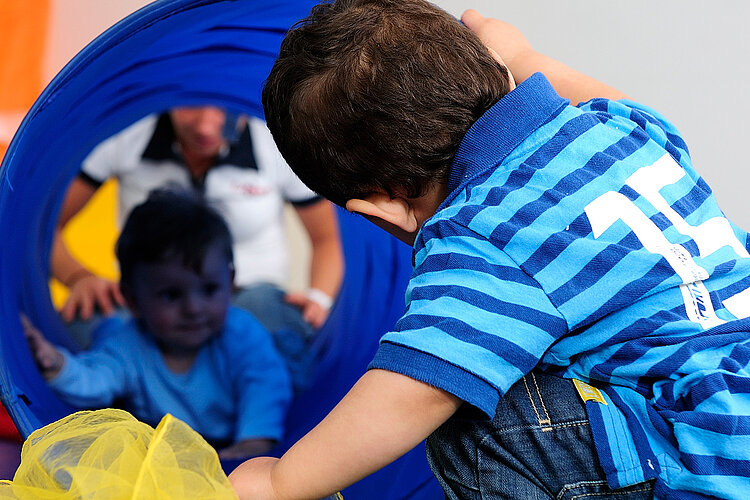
(108, 454)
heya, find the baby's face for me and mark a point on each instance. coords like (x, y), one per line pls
(183, 309)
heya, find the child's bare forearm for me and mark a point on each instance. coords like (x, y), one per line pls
(383, 416)
(566, 81)
(523, 61)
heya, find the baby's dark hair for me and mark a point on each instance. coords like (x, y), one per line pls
(170, 224)
(374, 96)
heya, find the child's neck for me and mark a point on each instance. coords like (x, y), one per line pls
(179, 361)
(426, 205)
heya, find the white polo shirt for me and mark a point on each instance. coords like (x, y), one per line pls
(248, 185)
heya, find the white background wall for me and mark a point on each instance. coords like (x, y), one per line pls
(685, 58)
(74, 23)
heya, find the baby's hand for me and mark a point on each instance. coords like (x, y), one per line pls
(49, 360)
(246, 448)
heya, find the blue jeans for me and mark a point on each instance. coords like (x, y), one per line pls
(292, 335)
(266, 302)
(538, 446)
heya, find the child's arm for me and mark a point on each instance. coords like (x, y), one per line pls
(48, 358)
(382, 417)
(91, 379)
(523, 61)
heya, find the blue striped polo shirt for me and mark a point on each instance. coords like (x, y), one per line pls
(580, 240)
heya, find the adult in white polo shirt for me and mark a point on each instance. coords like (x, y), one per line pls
(234, 163)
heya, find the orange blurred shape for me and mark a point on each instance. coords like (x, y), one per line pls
(23, 34)
(23, 24)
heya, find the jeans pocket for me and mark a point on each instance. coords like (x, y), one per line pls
(452, 456)
(600, 490)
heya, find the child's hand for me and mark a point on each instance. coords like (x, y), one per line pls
(252, 479)
(523, 61)
(246, 448)
(49, 360)
(502, 37)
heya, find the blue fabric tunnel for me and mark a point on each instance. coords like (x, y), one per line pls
(179, 53)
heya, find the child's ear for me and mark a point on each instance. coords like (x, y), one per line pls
(396, 211)
(499, 60)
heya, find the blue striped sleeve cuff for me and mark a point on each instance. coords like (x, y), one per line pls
(437, 373)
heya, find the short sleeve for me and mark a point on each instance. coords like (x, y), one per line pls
(475, 323)
(99, 164)
(110, 156)
(290, 186)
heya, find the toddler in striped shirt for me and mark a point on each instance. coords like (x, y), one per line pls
(576, 321)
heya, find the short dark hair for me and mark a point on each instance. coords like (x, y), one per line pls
(170, 224)
(376, 95)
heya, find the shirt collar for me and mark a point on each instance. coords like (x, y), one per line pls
(502, 128)
(163, 146)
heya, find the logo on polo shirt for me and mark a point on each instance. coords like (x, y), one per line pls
(251, 189)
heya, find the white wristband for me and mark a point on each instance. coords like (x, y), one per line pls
(320, 297)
